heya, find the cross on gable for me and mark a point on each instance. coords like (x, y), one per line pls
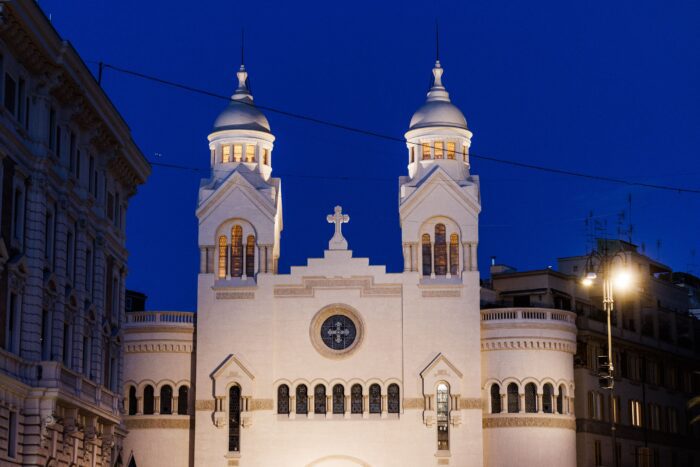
(338, 242)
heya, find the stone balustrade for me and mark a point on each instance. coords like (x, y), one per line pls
(159, 318)
(528, 314)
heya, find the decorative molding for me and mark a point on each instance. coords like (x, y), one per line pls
(520, 422)
(261, 404)
(413, 403)
(158, 423)
(528, 343)
(204, 404)
(441, 293)
(325, 313)
(366, 286)
(235, 295)
(469, 403)
(159, 348)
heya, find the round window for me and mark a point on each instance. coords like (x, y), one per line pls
(338, 332)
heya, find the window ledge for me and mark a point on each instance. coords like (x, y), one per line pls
(235, 283)
(440, 281)
(442, 453)
(233, 455)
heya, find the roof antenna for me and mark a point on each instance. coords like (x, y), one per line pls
(242, 46)
(437, 41)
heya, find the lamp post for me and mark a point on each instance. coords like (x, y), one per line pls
(600, 263)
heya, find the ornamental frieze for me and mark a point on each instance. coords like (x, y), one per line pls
(519, 422)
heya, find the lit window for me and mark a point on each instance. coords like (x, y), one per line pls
(222, 257)
(454, 254)
(412, 151)
(250, 256)
(440, 250)
(426, 151)
(237, 152)
(427, 255)
(450, 150)
(464, 153)
(439, 150)
(236, 251)
(266, 156)
(250, 153)
(443, 417)
(226, 154)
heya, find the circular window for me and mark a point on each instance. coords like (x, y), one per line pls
(338, 332)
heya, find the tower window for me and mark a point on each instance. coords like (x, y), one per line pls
(439, 147)
(266, 156)
(222, 257)
(236, 251)
(250, 153)
(166, 400)
(426, 151)
(148, 407)
(547, 392)
(412, 152)
(132, 400)
(513, 398)
(237, 152)
(183, 400)
(443, 417)
(226, 154)
(451, 150)
(560, 399)
(530, 398)
(495, 398)
(440, 250)
(454, 254)
(464, 153)
(427, 255)
(250, 256)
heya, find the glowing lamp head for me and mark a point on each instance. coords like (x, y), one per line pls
(622, 279)
(588, 279)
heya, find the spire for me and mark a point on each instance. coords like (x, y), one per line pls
(437, 41)
(243, 91)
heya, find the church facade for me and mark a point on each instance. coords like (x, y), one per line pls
(339, 362)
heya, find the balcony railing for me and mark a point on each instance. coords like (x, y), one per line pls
(528, 314)
(161, 317)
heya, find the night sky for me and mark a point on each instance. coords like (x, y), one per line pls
(607, 88)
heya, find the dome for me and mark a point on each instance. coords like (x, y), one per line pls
(438, 110)
(241, 113)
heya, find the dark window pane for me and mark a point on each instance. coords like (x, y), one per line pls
(283, 399)
(393, 398)
(356, 399)
(320, 399)
(302, 405)
(234, 419)
(338, 399)
(183, 400)
(495, 398)
(513, 398)
(375, 399)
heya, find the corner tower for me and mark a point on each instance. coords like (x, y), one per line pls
(439, 200)
(240, 205)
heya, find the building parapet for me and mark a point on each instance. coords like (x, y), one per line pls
(160, 318)
(528, 315)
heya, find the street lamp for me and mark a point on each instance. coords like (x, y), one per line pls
(614, 277)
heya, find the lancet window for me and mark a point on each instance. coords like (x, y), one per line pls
(222, 257)
(250, 256)
(443, 416)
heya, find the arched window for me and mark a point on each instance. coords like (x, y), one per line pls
(495, 398)
(338, 399)
(440, 250)
(560, 399)
(427, 255)
(320, 399)
(454, 254)
(183, 400)
(302, 405)
(283, 399)
(547, 392)
(250, 256)
(443, 417)
(234, 419)
(356, 398)
(166, 400)
(236, 251)
(132, 400)
(513, 398)
(148, 407)
(375, 399)
(530, 398)
(393, 398)
(222, 257)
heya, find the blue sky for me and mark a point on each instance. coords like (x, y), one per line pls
(601, 88)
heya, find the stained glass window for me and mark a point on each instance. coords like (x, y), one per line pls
(393, 398)
(451, 150)
(356, 399)
(439, 150)
(443, 417)
(320, 399)
(222, 257)
(283, 399)
(427, 255)
(166, 400)
(338, 399)
(250, 153)
(183, 400)
(302, 403)
(495, 398)
(375, 399)
(338, 332)
(148, 406)
(530, 397)
(440, 250)
(250, 256)
(513, 398)
(454, 254)
(234, 419)
(236, 251)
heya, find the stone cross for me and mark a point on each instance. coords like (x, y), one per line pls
(338, 242)
(338, 332)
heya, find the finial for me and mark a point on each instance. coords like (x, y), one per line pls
(242, 47)
(437, 41)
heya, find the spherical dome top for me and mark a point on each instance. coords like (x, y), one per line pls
(438, 113)
(438, 110)
(241, 113)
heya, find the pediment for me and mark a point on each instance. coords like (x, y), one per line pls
(437, 179)
(232, 370)
(238, 184)
(441, 369)
(439, 365)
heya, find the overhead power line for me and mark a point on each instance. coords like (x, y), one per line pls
(383, 136)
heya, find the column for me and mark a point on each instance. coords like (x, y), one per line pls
(540, 409)
(406, 257)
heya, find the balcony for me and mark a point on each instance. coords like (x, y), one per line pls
(160, 318)
(529, 315)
